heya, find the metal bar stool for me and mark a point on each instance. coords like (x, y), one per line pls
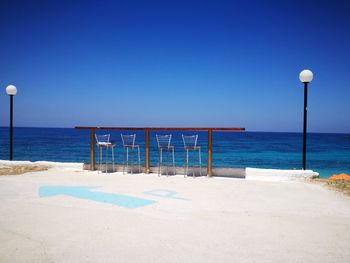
(129, 143)
(103, 141)
(164, 143)
(190, 144)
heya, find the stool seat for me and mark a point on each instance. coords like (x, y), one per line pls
(192, 147)
(190, 144)
(171, 146)
(105, 144)
(129, 143)
(163, 142)
(103, 141)
(131, 146)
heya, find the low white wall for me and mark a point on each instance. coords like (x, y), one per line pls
(278, 175)
(6, 163)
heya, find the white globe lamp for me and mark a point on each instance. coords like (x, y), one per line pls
(306, 76)
(11, 90)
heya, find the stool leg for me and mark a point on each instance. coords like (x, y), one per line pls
(99, 159)
(106, 157)
(161, 160)
(158, 161)
(123, 160)
(132, 159)
(101, 155)
(193, 162)
(139, 159)
(186, 162)
(127, 159)
(200, 162)
(174, 169)
(113, 157)
(124, 157)
(167, 163)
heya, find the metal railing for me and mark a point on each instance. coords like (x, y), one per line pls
(147, 140)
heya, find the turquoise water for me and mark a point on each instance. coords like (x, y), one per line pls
(326, 153)
(88, 193)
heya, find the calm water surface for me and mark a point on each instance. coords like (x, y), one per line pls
(327, 153)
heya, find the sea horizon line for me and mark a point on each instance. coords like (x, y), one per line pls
(246, 131)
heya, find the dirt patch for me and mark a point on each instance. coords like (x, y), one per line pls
(340, 185)
(21, 169)
(337, 185)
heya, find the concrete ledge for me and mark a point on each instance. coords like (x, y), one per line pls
(6, 163)
(279, 174)
(220, 172)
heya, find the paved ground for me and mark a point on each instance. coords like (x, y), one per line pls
(190, 220)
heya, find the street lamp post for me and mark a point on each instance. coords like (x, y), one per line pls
(306, 77)
(11, 91)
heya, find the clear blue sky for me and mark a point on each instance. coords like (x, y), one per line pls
(176, 63)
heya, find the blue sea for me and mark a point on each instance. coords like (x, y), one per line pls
(326, 153)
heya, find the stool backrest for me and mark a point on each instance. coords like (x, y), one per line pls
(163, 140)
(102, 139)
(190, 140)
(128, 139)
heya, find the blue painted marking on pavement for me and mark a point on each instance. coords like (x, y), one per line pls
(165, 193)
(84, 192)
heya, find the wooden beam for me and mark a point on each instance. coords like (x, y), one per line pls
(92, 149)
(147, 140)
(210, 152)
(161, 128)
(147, 151)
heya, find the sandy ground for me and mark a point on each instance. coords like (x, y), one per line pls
(217, 220)
(20, 169)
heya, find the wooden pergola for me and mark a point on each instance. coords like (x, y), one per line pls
(147, 140)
